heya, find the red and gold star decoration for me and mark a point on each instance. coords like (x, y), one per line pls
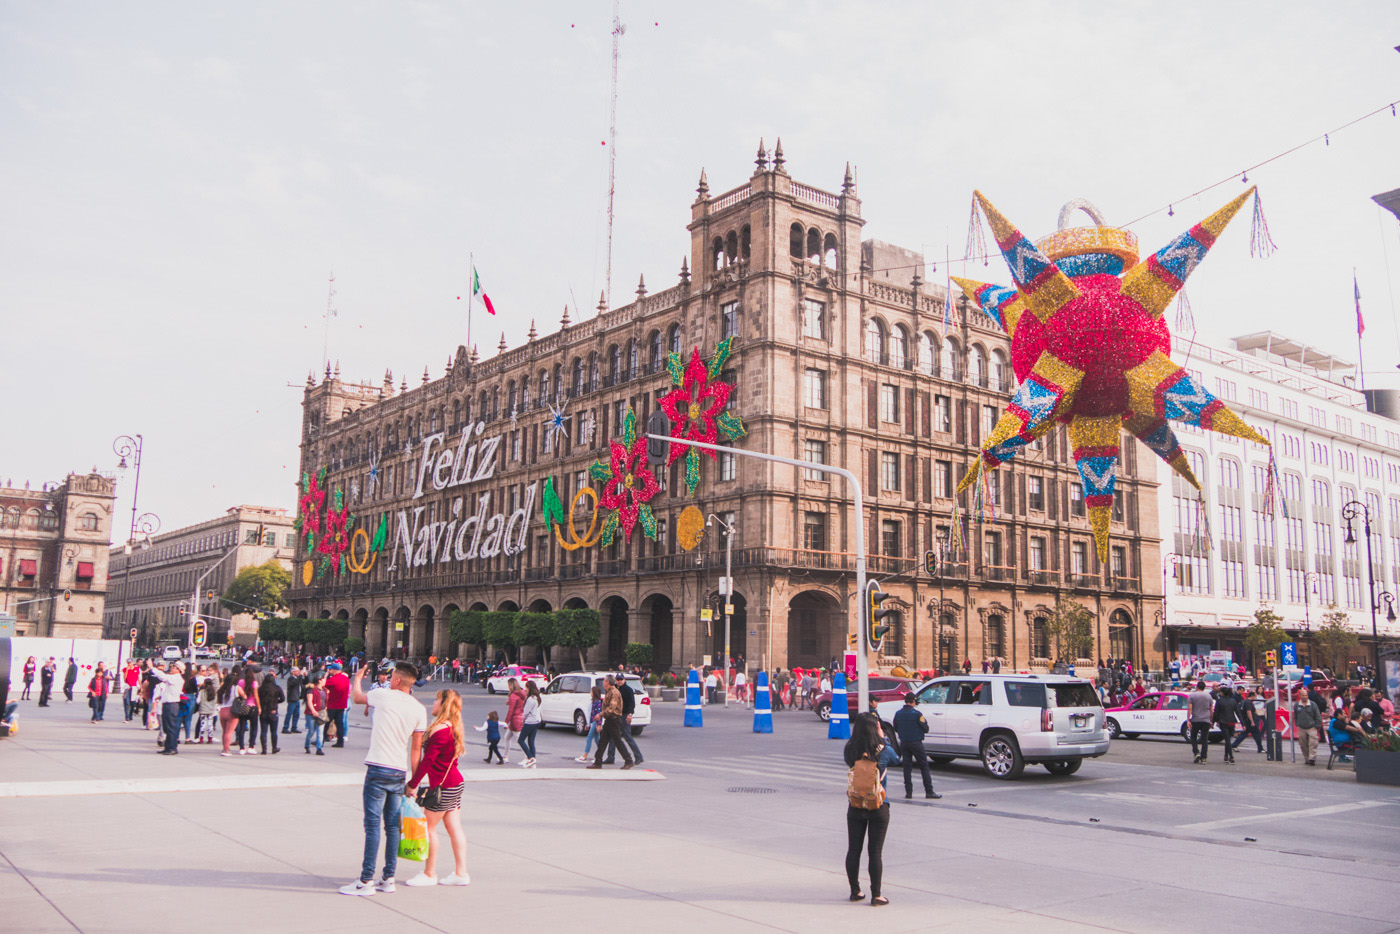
(628, 485)
(1091, 349)
(696, 408)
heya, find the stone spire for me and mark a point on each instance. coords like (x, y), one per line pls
(532, 335)
(403, 384)
(328, 369)
(564, 321)
(762, 160)
(685, 271)
(602, 302)
(501, 347)
(778, 157)
(703, 190)
(311, 377)
(426, 377)
(848, 185)
(337, 369)
(642, 286)
(474, 356)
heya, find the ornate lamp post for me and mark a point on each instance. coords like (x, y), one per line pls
(1350, 511)
(145, 525)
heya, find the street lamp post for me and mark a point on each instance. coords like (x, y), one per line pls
(147, 524)
(1350, 510)
(728, 595)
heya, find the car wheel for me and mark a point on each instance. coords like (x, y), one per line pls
(1063, 766)
(823, 711)
(580, 723)
(1114, 730)
(637, 730)
(1001, 757)
(490, 688)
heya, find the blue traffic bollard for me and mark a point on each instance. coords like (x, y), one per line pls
(839, 725)
(694, 715)
(762, 705)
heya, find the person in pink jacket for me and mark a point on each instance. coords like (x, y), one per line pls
(515, 716)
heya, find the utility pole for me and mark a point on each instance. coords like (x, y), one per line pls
(728, 593)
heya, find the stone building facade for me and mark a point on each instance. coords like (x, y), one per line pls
(53, 555)
(152, 586)
(841, 354)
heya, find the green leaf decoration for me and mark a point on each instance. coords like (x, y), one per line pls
(629, 429)
(692, 470)
(599, 471)
(341, 567)
(323, 567)
(731, 426)
(305, 482)
(339, 499)
(721, 355)
(648, 520)
(552, 508)
(675, 368)
(311, 540)
(381, 536)
(610, 528)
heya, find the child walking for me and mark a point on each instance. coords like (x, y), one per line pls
(492, 729)
(208, 711)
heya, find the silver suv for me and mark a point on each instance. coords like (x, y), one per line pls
(1009, 720)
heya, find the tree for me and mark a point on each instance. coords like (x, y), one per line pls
(272, 629)
(1263, 634)
(466, 627)
(262, 587)
(354, 645)
(577, 629)
(535, 629)
(1069, 630)
(637, 653)
(498, 628)
(1335, 640)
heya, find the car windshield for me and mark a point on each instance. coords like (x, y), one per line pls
(1074, 694)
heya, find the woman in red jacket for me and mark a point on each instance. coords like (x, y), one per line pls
(515, 717)
(442, 745)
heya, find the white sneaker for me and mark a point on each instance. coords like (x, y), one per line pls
(530, 764)
(422, 879)
(385, 886)
(358, 888)
(584, 759)
(455, 879)
(505, 761)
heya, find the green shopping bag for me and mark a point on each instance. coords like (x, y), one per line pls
(413, 831)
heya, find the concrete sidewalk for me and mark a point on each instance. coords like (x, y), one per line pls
(746, 833)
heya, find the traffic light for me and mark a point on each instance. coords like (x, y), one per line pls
(201, 633)
(876, 627)
(258, 540)
(931, 562)
(1271, 659)
(67, 595)
(851, 640)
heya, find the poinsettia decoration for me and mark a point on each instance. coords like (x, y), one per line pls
(335, 539)
(309, 507)
(696, 408)
(628, 485)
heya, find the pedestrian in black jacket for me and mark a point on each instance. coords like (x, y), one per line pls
(1227, 715)
(910, 727)
(70, 678)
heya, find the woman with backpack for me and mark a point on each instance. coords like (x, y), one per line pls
(270, 694)
(867, 811)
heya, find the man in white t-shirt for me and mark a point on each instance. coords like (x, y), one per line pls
(395, 745)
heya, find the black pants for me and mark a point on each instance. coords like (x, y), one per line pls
(27, 685)
(493, 748)
(68, 691)
(913, 753)
(269, 727)
(45, 689)
(1251, 730)
(610, 736)
(1201, 731)
(625, 733)
(859, 822)
(1228, 731)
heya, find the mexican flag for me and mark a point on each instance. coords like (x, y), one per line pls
(476, 290)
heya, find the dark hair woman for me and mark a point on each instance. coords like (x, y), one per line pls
(269, 696)
(246, 689)
(867, 742)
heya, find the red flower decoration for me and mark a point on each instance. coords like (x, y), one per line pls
(632, 485)
(309, 506)
(694, 407)
(336, 540)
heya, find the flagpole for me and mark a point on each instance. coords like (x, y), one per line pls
(1360, 327)
(471, 294)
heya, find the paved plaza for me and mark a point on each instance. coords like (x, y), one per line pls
(721, 830)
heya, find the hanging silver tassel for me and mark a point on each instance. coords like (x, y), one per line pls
(1260, 243)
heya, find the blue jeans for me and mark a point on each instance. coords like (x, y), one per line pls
(293, 719)
(170, 725)
(592, 735)
(527, 739)
(383, 798)
(313, 733)
(338, 718)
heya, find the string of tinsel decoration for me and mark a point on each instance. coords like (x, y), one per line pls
(1261, 244)
(1185, 318)
(955, 538)
(988, 496)
(976, 236)
(1276, 484)
(1202, 530)
(948, 307)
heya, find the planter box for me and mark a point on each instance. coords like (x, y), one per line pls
(670, 694)
(1377, 768)
(653, 691)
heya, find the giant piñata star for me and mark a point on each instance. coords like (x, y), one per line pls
(1090, 348)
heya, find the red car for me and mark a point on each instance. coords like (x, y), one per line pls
(881, 689)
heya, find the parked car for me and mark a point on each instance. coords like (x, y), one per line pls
(1007, 721)
(500, 680)
(881, 689)
(172, 653)
(568, 699)
(1157, 712)
(1293, 678)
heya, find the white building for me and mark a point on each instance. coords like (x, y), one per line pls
(1226, 552)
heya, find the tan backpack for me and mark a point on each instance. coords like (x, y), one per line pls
(863, 787)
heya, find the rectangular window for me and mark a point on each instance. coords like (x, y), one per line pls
(889, 471)
(942, 414)
(814, 452)
(813, 319)
(943, 479)
(1289, 407)
(991, 549)
(890, 538)
(1035, 493)
(814, 531)
(1258, 398)
(989, 419)
(1037, 554)
(729, 320)
(815, 388)
(889, 403)
(726, 466)
(1119, 559)
(250, 537)
(1079, 559)
(1076, 498)
(270, 539)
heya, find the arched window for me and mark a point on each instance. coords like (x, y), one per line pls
(928, 354)
(544, 386)
(577, 383)
(795, 237)
(1120, 635)
(673, 339)
(456, 415)
(717, 253)
(495, 403)
(731, 248)
(634, 363)
(87, 522)
(977, 361)
(875, 341)
(829, 251)
(558, 382)
(12, 517)
(525, 394)
(614, 364)
(513, 393)
(655, 365)
(952, 359)
(1001, 372)
(899, 347)
(1040, 643)
(814, 245)
(745, 243)
(593, 371)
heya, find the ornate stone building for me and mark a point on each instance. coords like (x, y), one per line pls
(841, 354)
(53, 556)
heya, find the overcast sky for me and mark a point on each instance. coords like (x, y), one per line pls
(178, 180)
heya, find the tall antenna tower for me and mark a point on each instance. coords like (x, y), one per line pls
(618, 31)
(330, 313)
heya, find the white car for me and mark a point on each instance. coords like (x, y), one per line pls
(172, 653)
(568, 700)
(500, 682)
(1007, 721)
